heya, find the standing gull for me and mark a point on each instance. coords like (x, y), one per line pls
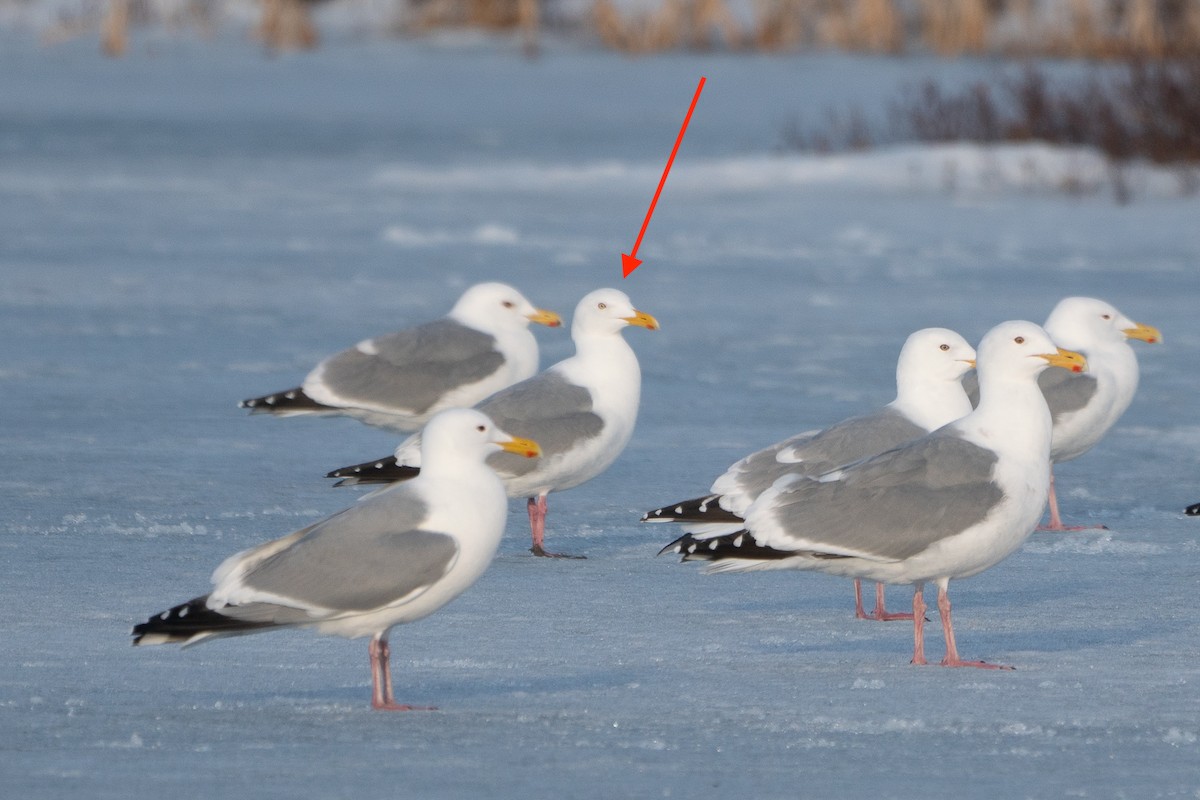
(395, 557)
(399, 380)
(929, 394)
(1085, 406)
(947, 505)
(581, 410)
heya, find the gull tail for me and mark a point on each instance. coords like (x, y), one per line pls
(701, 509)
(191, 622)
(383, 470)
(285, 404)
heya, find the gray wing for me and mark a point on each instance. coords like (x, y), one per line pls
(970, 383)
(412, 369)
(364, 558)
(1066, 391)
(816, 454)
(894, 505)
(547, 408)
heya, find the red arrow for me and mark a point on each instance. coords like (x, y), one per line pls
(630, 261)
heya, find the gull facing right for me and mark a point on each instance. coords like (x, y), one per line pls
(945, 506)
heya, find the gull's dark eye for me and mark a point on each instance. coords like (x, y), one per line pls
(602, 306)
(1019, 340)
(481, 428)
(508, 304)
(1106, 316)
(944, 347)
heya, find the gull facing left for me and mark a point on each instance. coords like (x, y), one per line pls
(395, 557)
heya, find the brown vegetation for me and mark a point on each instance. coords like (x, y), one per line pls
(1106, 29)
(1139, 110)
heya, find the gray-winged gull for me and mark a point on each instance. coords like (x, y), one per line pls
(947, 505)
(1084, 407)
(399, 380)
(929, 394)
(395, 557)
(581, 411)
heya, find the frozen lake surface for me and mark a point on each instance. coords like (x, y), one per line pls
(196, 224)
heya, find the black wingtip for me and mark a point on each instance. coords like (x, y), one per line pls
(292, 400)
(383, 470)
(698, 509)
(736, 546)
(181, 623)
(1193, 510)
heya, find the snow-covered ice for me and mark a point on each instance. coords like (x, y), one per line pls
(195, 224)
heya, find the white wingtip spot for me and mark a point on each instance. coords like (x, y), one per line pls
(678, 509)
(738, 541)
(692, 548)
(183, 612)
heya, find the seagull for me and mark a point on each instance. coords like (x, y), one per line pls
(947, 505)
(581, 410)
(929, 394)
(1085, 406)
(399, 380)
(395, 557)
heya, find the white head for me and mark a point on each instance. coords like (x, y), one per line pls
(934, 354)
(1087, 324)
(929, 372)
(493, 307)
(1018, 351)
(608, 311)
(460, 435)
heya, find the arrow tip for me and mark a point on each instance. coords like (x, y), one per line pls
(629, 264)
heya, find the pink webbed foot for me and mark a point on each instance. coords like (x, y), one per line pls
(1055, 525)
(977, 664)
(537, 527)
(381, 679)
(398, 707)
(952, 659)
(1050, 527)
(880, 613)
(538, 550)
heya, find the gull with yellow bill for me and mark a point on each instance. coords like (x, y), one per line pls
(945, 506)
(396, 557)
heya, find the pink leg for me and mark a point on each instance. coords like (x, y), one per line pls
(919, 625)
(1056, 523)
(880, 613)
(382, 698)
(537, 526)
(952, 659)
(859, 611)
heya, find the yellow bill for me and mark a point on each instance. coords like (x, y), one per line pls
(642, 320)
(1067, 359)
(1144, 333)
(547, 318)
(522, 447)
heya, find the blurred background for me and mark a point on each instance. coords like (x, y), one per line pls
(1057, 28)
